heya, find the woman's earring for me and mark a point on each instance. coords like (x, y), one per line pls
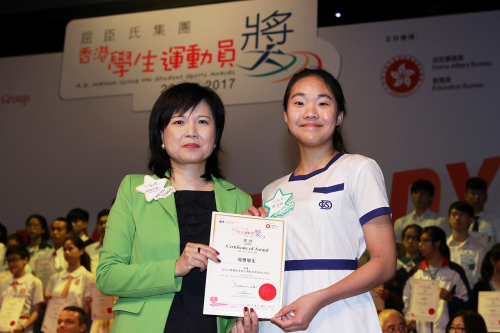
(215, 146)
(162, 146)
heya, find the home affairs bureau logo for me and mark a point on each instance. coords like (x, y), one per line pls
(402, 75)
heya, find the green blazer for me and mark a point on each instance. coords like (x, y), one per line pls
(137, 260)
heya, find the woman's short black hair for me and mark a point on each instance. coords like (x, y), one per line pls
(334, 86)
(473, 321)
(438, 234)
(43, 223)
(180, 99)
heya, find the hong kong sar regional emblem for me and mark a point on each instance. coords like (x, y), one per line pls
(402, 75)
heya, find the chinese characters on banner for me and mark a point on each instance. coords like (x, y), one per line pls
(246, 57)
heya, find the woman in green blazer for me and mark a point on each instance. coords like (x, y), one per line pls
(156, 250)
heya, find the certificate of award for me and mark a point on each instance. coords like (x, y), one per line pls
(4, 276)
(489, 308)
(44, 269)
(101, 305)
(10, 313)
(250, 274)
(379, 302)
(424, 300)
(54, 309)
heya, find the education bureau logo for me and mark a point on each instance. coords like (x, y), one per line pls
(402, 75)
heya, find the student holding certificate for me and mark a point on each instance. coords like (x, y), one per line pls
(156, 249)
(453, 289)
(74, 282)
(336, 206)
(22, 285)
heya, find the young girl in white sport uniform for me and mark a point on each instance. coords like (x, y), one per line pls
(337, 208)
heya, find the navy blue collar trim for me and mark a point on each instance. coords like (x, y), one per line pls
(294, 178)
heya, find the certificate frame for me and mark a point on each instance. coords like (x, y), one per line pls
(259, 282)
(489, 308)
(424, 300)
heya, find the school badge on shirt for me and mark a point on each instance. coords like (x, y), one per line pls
(155, 188)
(279, 205)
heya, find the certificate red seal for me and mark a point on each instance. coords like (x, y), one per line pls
(267, 292)
(431, 311)
(110, 310)
(12, 323)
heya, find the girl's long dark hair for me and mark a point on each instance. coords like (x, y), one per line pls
(84, 258)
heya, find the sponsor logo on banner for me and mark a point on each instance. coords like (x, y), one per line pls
(246, 51)
(402, 75)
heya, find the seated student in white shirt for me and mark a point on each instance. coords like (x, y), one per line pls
(93, 249)
(422, 194)
(476, 195)
(465, 250)
(38, 234)
(73, 283)
(22, 285)
(79, 219)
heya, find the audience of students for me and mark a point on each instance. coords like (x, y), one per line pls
(422, 194)
(22, 285)
(476, 195)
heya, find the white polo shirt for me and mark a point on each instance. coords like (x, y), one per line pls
(79, 287)
(469, 255)
(331, 205)
(28, 287)
(428, 219)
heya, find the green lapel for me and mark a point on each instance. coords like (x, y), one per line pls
(226, 196)
(169, 202)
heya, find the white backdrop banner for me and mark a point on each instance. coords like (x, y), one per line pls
(246, 51)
